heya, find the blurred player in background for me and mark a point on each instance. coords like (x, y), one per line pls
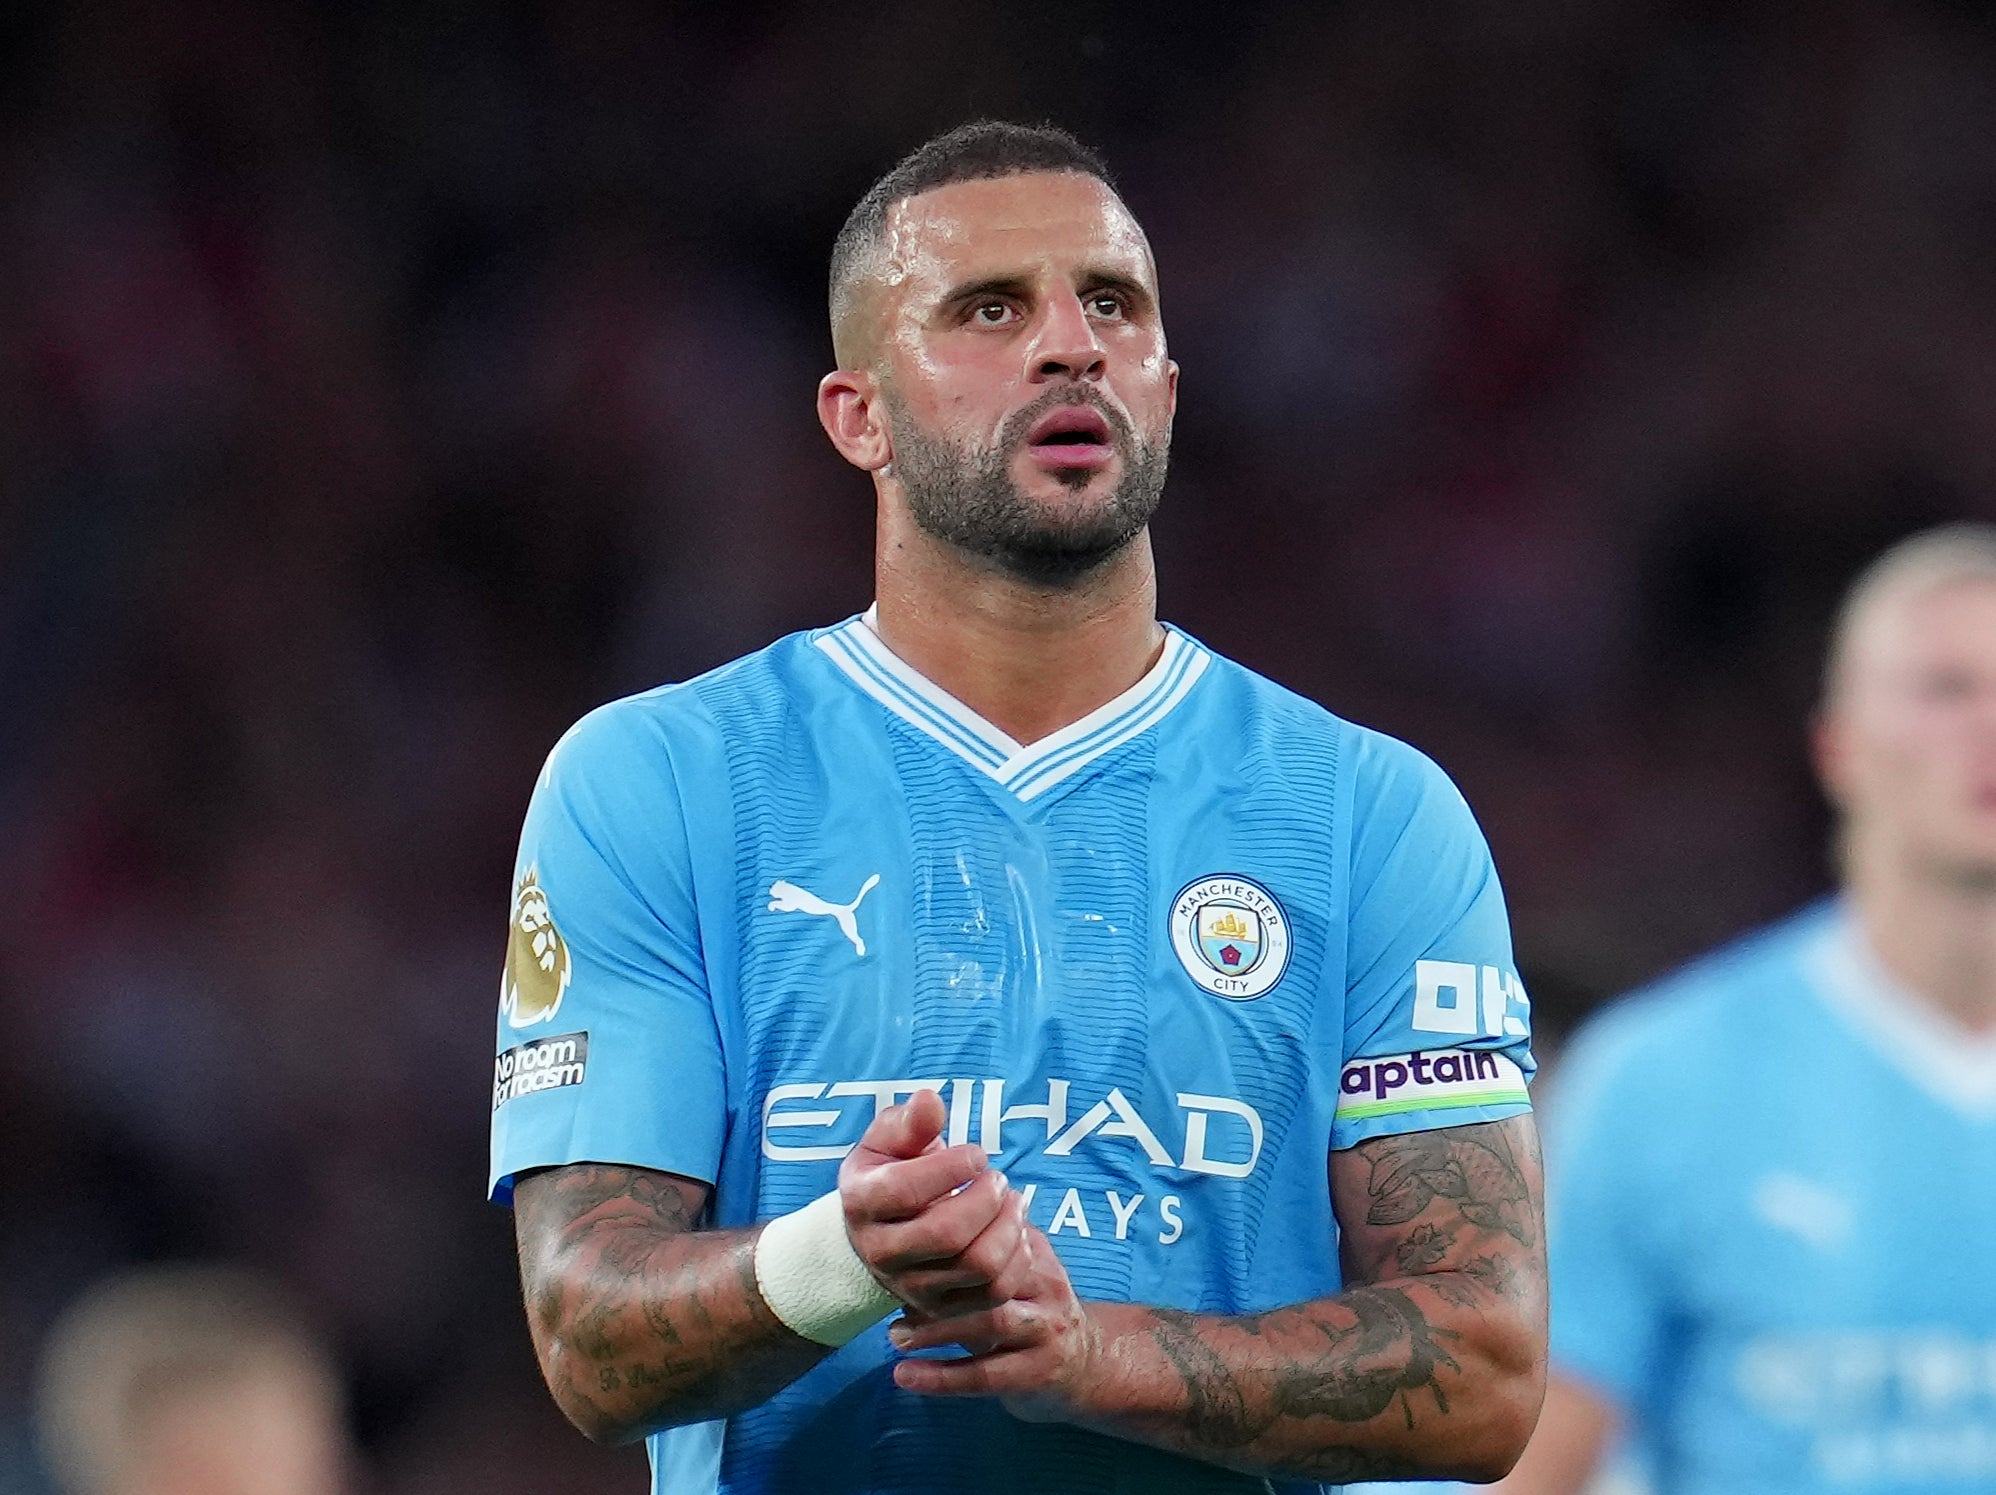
(1143, 1035)
(189, 1381)
(1774, 1175)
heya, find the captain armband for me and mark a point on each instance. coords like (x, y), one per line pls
(813, 1280)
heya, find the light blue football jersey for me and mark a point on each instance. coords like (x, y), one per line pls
(1158, 965)
(1773, 1193)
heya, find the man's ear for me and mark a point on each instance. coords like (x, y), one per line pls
(1827, 748)
(849, 410)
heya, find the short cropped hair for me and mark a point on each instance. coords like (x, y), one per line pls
(1933, 558)
(979, 151)
(137, 1339)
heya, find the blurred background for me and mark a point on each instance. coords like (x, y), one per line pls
(383, 385)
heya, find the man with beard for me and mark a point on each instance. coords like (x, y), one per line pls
(1774, 1174)
(1137, 1037)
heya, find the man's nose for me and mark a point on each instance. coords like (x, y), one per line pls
(1066, 346)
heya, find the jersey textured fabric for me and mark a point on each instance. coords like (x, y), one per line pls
(1157, 964)
(1772, 1185)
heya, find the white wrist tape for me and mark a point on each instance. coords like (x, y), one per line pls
(812, 1279)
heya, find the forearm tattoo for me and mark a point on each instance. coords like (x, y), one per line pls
(1447, 1259)
(641, 1318)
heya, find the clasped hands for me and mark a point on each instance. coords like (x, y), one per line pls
(942, 1230)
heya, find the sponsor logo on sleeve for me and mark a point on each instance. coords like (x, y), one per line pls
(537, 965)
(1453, 996)
(544, 1064)
(1434, 1080)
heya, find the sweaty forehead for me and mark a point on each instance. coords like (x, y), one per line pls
(1027, 224)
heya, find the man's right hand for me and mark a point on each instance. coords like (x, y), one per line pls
(937, 1226)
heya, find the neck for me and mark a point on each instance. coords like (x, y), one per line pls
(1028, 659)
(1936, 938)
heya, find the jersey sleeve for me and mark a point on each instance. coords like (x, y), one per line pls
(1610, 1275)
(608, 1050)
(1437, 1025)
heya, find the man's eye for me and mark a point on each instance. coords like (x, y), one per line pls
(992, 313)
(1944, 685)
(1106, 305)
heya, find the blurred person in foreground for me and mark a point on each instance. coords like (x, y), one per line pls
(1773, 1176)
(189, 1380)
(1143, 1035)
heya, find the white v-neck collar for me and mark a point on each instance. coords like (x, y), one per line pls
(1956, 1067)
(857, 649)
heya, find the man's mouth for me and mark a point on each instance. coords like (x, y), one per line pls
(1071, 436)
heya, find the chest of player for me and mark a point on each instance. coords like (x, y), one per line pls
(1138, 977)
(1836, 1206)
(1831, 1305)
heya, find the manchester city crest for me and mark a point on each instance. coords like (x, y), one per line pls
(1230, 935)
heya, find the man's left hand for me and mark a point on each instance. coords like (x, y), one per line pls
(1037, 1352)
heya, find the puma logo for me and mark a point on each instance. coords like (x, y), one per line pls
(788, 898)
(1804, 1209)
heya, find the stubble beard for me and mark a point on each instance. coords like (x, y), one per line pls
(969, 501)
(1947, 872)
(1965, 876)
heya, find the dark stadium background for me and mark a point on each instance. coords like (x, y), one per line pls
(382, 385)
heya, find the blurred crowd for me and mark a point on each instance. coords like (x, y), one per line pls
(383, 385)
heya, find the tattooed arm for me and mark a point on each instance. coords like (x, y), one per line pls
(1574, 1435)
(643, 1319)
(1431, 1364)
